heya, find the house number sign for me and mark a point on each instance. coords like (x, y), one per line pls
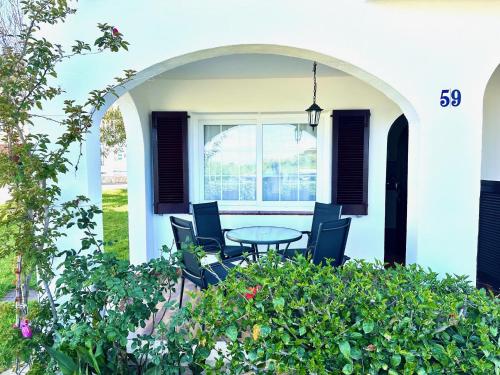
(453, 97)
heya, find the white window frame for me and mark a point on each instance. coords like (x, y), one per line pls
(196, 159)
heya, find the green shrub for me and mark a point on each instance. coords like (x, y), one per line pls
(7, 318)
(12, 345)
(106, 301)
(298, 318)
(7, 275)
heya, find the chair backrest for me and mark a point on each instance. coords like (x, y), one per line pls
(184, 238)
(322, 212)
(207, 224)
(332, 239)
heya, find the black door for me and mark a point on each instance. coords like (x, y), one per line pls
(396, 194)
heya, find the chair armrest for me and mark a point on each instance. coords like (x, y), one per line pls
(345, 259)
(190, 274)
(307, 233)
(224, 232)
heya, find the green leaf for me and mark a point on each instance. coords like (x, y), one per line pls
(265, 330)
(232, 333)
(345, 349)
(348, 369)
(355, 335)
(252, 356)
(65, 363)
(279, 303)
(356, 353)
(395, 360)
(302, 331)
(368, 326)
(494, 331)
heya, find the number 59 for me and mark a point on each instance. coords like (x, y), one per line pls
(455, 98)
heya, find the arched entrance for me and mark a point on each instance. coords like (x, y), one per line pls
(396, 197)
(143, 239)
(488, 255)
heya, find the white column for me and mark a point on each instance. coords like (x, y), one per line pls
(138, 179)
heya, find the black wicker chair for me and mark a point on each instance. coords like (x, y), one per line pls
(201, 276)
(322, 212)
(210, 234)
(331, 242)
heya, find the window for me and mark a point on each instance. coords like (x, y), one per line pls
(230, 162)
(289, 163)
(259, 163)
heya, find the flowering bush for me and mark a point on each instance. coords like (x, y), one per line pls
(359, 319)
(111, 317)
(14, 345)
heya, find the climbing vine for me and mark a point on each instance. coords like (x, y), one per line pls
(31, 162)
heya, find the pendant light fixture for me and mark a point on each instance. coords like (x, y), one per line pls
(314, 111)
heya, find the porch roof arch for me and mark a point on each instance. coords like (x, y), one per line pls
(141, 215)
(272, 49)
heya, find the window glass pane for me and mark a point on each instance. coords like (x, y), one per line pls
(230, 162)
(270, 188)
(289, 163)
(248, 186)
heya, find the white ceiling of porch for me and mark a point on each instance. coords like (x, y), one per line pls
(249, 66)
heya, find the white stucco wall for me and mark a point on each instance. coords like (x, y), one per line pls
(491, 130)
(410, 50)
(366, 238)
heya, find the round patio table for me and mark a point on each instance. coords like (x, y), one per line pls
(264, 235)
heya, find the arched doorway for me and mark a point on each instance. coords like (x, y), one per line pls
(396, 197)
(488, 255)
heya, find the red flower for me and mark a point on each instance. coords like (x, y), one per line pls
(252, 292)
(115, 31)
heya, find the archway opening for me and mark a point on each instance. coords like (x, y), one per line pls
(114, 182)
(396, 193)
(488, 256)
(233, 81)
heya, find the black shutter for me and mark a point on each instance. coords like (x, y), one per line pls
(170, 162)
(351, 131)
(488, 252)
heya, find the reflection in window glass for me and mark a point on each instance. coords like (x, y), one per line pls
(230, 162)
(289, 163)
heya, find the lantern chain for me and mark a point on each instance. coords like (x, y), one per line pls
(314, 78)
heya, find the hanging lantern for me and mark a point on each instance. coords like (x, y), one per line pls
(314, 111)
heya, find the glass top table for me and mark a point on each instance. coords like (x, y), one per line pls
(264, 235)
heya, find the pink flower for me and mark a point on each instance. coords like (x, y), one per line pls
(26, 330)
(115, 31)
(15, 326)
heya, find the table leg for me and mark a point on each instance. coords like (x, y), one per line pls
(255, 254)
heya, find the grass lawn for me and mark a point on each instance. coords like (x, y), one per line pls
(7, 275)
(115, 217)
